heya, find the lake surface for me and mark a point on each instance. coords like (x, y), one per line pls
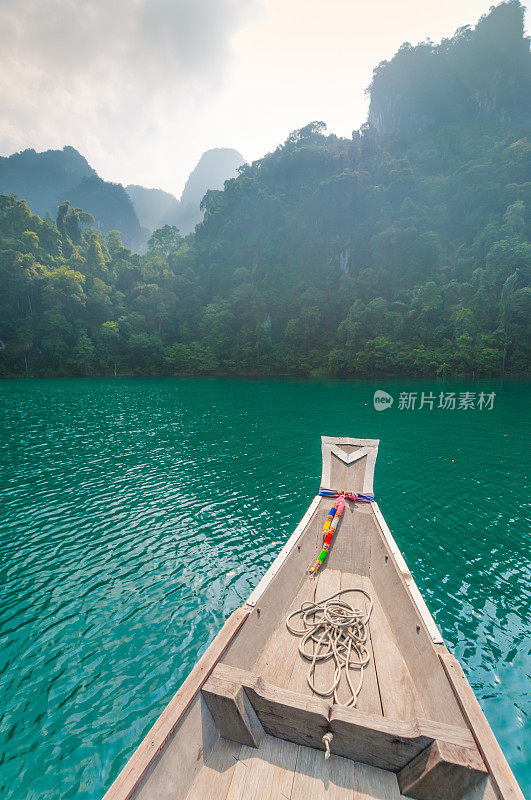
(135, 515)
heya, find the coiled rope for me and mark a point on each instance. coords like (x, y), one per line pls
(334, 629)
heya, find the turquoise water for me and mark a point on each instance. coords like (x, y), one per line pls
(137, 514)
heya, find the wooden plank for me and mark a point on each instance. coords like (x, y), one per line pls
(216, 775)
(298, 679)
(407, 577)
(232, 712)
(369, 700)
(314, 777)
(371, 782)
(266, 773)
(384, 743)
(340, 779)
(442, 772)
(483, 791)
(376, 740)
(345, 474)
(280, 662)
(351, 545)
(343, 469)
(416, 644)
(327, 582)
(398, 695)
(270, 612)
(190, 747)
(164, 728)
(258, 591)
(296, 717)
(501, 775)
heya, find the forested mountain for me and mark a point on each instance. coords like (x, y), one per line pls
(156, 208)
(482, 73)
(153, 206)
(45, 180)
(403, 250)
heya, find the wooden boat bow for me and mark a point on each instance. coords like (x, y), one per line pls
(246, 725)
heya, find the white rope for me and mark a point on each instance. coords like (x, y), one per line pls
(327, 738)
(334, 629)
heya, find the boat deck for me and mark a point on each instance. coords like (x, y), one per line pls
(281, 770)
(387, 687)
(246, 725)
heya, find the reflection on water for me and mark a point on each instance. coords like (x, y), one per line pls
(137, 514)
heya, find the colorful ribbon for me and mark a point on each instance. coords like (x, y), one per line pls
(332, 520)
(361, 498)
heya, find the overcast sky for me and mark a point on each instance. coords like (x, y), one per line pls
(143, 87)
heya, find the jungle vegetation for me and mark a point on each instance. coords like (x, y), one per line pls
(402, 250)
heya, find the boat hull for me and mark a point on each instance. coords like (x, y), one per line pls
(246, 721)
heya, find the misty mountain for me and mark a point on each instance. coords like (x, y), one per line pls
(404, 249)
(156, 208)
(47, 179)
(152, 206)
(480, 74)
(213, 169)
(43, 179)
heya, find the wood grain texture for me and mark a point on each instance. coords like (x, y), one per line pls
(340, 779)
(150, 749)
(348, 463)
(502, 778)
(351, 545)
(388, 744)
(375, 740)
(416, 646)
(232, 712)
(266, 773)
(369, 697)
(215, 777)
(398, 694)
(280, 662)
(316, 778)
(284, 553)
(371, 782)
(347, 476)
(327, 582)
(296, 717)
(196, 736)
(270, 612)
(442, 772)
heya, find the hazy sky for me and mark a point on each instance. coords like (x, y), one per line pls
(143, 87)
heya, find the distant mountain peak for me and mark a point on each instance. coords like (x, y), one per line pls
(50, 177)
(156, 208)
(211, 171)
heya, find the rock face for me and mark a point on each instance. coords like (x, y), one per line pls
(156, 208)
(213, 169)
(47, 179)
(152, 206)
(482, 73)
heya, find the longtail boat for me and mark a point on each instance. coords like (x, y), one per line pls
(331, 685)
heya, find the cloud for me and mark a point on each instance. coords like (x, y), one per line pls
(108, 75)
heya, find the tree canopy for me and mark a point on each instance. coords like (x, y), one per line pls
(397, 251)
